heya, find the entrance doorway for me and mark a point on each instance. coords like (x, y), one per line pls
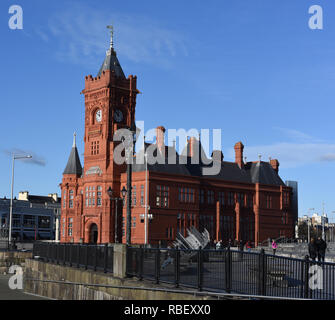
(93, 233)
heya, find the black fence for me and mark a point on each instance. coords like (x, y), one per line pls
(234, 272)
(95, 257)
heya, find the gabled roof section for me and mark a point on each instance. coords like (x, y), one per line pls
(73, 165)
(252, 172)
(262, 172)
(42, 199)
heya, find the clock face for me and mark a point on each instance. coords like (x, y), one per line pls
(118, 115)
(98, 115)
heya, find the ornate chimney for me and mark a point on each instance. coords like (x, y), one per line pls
(239, 154)
(274, 164)
(160, 138)
(193, 147)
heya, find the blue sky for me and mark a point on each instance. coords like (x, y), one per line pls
(252, 68)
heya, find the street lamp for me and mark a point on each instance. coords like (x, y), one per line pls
(146, 200)
(124, 193)
(129, 156)
(15, 157)
(110, 193)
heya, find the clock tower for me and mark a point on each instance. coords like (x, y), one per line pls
(110, 100)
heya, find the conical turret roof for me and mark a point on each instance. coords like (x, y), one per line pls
(73, 165)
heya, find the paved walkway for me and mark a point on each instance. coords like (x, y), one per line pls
(8, 294)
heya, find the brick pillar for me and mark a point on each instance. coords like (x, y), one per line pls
(218, 231)
(237, 215)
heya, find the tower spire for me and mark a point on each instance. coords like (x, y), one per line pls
(111, 62)
(74, 140)
(111, 28)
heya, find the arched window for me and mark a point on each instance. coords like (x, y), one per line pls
(71, 196)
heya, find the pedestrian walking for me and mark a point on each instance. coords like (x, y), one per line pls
(248, 246)
(230, 243)
(312, 249)
(241, 248)
(274, 246)
(321, 246)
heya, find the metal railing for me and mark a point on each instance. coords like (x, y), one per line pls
(232, 271)
(87, 256)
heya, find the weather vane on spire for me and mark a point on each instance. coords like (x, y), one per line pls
(74, 140)
(111, 28)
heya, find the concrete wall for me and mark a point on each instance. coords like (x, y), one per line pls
(35, 269)
(12, 258)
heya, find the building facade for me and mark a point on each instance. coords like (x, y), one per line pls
(244, 201)
(34, 217)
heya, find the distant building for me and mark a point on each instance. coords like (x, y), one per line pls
(294, 199)
(317, 219)
(34, 217)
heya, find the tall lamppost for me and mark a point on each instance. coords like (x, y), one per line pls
(332, 229)
(146, 200)
(110, 193)
(15, 157)
(308, 224)
(129, 157)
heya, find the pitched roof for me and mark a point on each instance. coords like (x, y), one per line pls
(260, 172)
(42, 199)
(112, 63)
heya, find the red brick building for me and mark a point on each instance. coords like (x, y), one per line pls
(247, 201)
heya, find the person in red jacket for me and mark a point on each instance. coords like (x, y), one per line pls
(248, 246)
(274, 247)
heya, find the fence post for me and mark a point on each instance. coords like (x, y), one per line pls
(95, 257)
(52, 254)
(176, 266)
(228, 270)
(86, 256)
(46, 257)
(200, 268)
(157, 265)
(70, 255)
(306, 282)
(262, 273)
(78, 255)
(57, 253)
(105, 257)
(141, 249)
(64, 253)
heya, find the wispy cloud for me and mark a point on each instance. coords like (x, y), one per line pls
(304, 150)
(42, 34)
(297, 135)
(36, 159)
(81, 36)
